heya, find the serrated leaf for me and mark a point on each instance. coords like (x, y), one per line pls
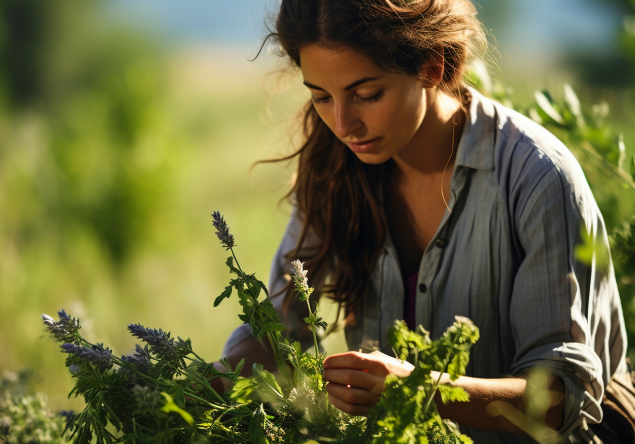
(264, 288)
(260, 329)
(268, 310)
(224, 295)
(452, 394)
(242, 390)
(546, 105)
(268, 379)
(230, 263)
(257, 426)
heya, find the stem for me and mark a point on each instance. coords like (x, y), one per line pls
(237, 264)
(434, 390)
(315, 342)
(282, 366)
(202, 380)
(438, 381)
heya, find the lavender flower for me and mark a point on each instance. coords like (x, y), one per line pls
(74, 369)
(160, 341)
(226, 239)
(68, 415)
(140, 359)
(151, 335)
(63, 330)
(98, 354)
(298, 273)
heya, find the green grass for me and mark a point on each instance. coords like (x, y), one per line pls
(193, 157)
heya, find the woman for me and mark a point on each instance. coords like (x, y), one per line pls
(417, 198)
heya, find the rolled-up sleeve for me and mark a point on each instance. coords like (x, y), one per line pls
(560, 306)
(278, 279)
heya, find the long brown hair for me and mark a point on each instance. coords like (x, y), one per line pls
(337, 195)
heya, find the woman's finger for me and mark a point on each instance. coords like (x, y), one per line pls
(359, 361)
(351, 409)
(352, 395)
(377, 363)
(355, 378)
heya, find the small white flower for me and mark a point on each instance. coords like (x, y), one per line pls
(464, 320)
(299, 276)
(48, 320)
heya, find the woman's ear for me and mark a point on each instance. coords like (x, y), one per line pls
(432, 72)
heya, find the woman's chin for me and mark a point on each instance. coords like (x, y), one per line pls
(373, 158)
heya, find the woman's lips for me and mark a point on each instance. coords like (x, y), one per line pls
(364, 146)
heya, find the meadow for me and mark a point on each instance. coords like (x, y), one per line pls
(114, 154)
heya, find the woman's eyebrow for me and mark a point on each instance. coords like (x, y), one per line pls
(347, 88)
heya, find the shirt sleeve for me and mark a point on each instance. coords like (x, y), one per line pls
(294, 314)
(561, 307)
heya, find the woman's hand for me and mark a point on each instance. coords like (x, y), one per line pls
(355, 380)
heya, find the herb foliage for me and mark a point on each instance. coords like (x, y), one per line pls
(162, 393)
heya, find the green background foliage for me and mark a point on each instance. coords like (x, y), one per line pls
(114, 150)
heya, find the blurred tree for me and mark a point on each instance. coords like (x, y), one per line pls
(614, 67)
(23, 31)
(92, 96)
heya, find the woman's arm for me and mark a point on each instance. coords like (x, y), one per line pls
(478, 412)
(254, 352)
(356, 380)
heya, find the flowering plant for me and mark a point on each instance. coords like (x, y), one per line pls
(162, 393)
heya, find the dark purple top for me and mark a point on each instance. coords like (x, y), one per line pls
(410, 300)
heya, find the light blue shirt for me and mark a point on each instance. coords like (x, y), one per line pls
(505, 258)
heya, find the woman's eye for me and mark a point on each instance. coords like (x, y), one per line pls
(372, 98)
(319, 99)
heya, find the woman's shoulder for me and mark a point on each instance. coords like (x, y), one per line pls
(526, 158)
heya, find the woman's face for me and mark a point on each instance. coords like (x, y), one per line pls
(375, 113)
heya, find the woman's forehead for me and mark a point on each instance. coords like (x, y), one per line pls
(336, 67)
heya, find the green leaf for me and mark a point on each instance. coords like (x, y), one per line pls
(546, 105)
(268, 310)
(452, 394)
(573, 103)
(268, 379)
(457, 365)
(230, 263)
(242, 390)
(591, 250)
(257, 426)
(224, 295)
(621, 146)
(632, 168)
(170, 406)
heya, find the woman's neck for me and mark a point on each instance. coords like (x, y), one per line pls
(429, 151)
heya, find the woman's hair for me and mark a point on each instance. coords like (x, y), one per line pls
(337, 195)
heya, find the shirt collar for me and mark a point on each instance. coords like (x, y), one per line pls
(476, 148)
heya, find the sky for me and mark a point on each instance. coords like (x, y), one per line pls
(536, 26)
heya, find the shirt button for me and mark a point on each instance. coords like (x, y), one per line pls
(423, 288)
(440, 243)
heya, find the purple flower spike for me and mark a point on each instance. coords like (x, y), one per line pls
(226, 239)
(63, 330)
(98, 354)
(159, 341)
(140, 359)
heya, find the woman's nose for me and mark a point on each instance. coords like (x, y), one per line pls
(346, 122)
